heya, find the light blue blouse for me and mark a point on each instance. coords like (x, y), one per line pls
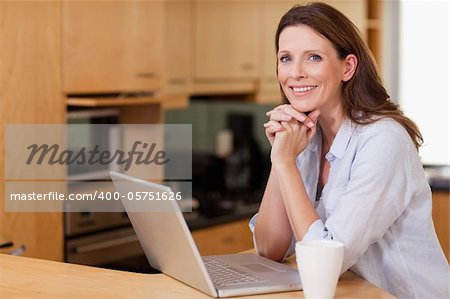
(378, 203)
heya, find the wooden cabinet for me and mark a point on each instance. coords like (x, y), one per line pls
(223, 239)
(225, 46)
(271, 13)
(354, 10)
(374, 19)
(177, 41)
(177, 52)
(43, 55)
(441, 218)
(30, 93)
(201, 47)
(112, 46)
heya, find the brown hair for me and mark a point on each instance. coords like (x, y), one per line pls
(365, 100)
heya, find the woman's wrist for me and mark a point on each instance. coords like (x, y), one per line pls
(285, 165)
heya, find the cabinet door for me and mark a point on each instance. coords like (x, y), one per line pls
(354, 10)
(226, 35)
(227, 238)
(178, 39)
(30, 93)
(271, 13)
(441, 219)
(112, 46)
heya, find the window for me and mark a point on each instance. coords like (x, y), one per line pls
(423, 74)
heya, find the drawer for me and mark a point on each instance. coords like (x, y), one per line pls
(223, 239)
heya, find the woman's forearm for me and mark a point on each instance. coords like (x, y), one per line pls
(273, 233)
(300, 211)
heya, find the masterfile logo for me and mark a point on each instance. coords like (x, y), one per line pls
(141, 153)
(66, 167)
(48, 152)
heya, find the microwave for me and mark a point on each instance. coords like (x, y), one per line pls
(88, 128)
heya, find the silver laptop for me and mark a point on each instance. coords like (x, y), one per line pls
(170, 248)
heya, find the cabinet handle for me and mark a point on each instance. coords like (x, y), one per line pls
(177, 81)
(106, 244)
(230, 239)
(6, 245)
(247, 66)
(146, 75)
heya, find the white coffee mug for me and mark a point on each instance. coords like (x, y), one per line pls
(319, 263)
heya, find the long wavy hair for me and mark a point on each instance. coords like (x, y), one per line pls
(365, 100)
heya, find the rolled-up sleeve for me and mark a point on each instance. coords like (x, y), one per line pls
(316, 231)
(251, 224)
(291, 249)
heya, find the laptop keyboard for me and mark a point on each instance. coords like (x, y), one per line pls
(224, 275)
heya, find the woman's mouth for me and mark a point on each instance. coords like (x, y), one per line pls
(301, 90)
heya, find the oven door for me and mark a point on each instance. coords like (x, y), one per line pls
(116, 249)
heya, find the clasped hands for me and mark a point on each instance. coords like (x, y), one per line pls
(289, 132)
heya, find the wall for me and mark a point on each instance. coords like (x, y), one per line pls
(208, 117)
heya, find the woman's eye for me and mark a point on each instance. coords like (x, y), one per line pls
(315, 57)
(285, 58)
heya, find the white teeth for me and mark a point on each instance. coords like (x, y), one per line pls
(303, 89)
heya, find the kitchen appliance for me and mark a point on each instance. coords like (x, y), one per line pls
(105, 240)
(245, 166)
(91, 128)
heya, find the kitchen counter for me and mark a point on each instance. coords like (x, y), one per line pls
(22, 277)
(438, 177)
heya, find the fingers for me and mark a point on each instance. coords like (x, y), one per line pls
(287, 112)
(314, 115)
(294, 126)
(272, 127)
(277, 115)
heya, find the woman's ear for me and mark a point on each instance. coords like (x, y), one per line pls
(351, 62)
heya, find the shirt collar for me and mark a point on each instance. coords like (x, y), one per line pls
(340, 142)
(342, 139)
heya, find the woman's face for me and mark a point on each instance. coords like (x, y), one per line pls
(309, 70)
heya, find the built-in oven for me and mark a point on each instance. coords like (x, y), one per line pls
(104, 240)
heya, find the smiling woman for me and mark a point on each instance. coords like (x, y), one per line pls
(311, 72)
(345, 165)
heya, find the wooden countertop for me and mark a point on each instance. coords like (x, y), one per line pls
(22, 277)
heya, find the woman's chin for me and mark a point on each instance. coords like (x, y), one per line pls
(303, 108)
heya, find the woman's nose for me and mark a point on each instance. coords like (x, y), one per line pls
(298, 71)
